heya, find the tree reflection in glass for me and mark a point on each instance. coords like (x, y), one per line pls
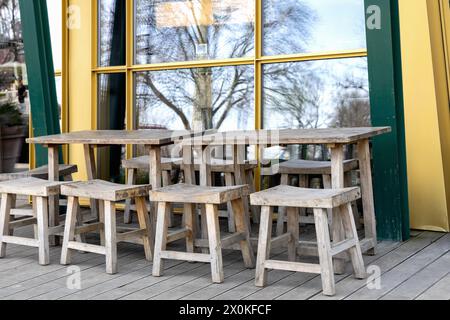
(199, 98)
(168, 31)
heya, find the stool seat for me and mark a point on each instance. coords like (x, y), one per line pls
(188, 193)
(104, 190)
(40, 172)
(299, 166)
(305, 198)
(31, 187)
(143, 163)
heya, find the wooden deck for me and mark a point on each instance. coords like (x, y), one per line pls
(416, 269)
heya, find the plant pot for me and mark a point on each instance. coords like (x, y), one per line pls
(11, 141)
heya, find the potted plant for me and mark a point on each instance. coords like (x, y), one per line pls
(12, 133)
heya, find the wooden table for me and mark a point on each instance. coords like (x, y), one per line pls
(335, 139)
(152, 140)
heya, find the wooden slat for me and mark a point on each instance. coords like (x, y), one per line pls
(89, 228)
(130, 235)
(186, 256)
(292, 266)
(87, 247)
(177, 235)
(342, 246)
(280, 240)
(22, 212)
(22, 223)
(232, 239)
(21, 241)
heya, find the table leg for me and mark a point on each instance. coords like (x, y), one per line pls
(337, 181)
(155, 177)
(53, 203)
(239, 175)
(91, 169)
(370, 229)
(205, 180)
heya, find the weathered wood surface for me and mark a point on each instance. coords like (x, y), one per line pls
(31, 187)
(41, 172)
(289, 136)
(104, 190)
(116, 137)
(312, 167)
(304, 198)
(187, 193)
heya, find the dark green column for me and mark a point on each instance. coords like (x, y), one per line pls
(40, 72)
(386, 97)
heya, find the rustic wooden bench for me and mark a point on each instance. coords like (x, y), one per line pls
(40, 190)
(319, 200)
(211, 198)
(108, 194)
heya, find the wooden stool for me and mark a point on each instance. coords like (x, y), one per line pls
(143, 163)
(40, 190)
(320, 200)
(211, 197)
(303, 169)
(108, 194)
(168, 164)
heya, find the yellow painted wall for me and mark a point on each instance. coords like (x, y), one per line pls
(79, 77)
(426, 114)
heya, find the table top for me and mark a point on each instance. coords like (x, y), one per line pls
(116, 137)
(288, 136)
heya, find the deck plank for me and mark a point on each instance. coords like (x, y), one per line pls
(439, 291)
(346, 285)
(421, 281)
(296, 279)
(401, 272)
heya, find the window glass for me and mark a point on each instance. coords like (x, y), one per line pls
(54, 8)
(169, 30)
(307, 26)
(111, 33)
(111, 116)
(200, 98)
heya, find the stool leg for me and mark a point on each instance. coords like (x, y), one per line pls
(215, 248)
(204, 226)
(127, 218)
(101, 218)
(250, 178)
(338, 235)
(160, 238)
(4, 221)
(324, 247)
(42, 224)
(351, 232)
(144, 223)
(110, 237)
(166, 182)
(241, 226)
(303, 182)
(191, 225)
(35, 227)
(326, 180)
(229, 181)
(282, 210)
(348, 183)
(69, 229)
(265, 236)
(293, 229)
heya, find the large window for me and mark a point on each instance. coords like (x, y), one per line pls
(235, 64)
